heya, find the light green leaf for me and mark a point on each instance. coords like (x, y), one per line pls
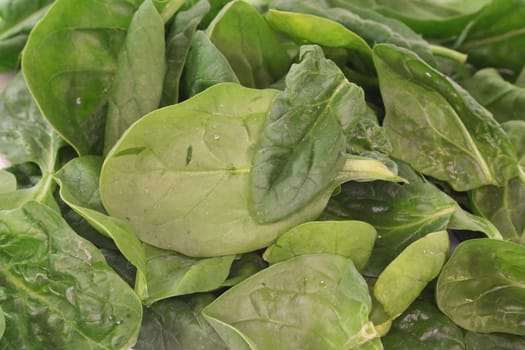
(351, 239)
(71, 298)
(407, 275)
(311, 301)
(2, 323)
(7, 182)
(463, 220)
(170, 274)
(250, 45)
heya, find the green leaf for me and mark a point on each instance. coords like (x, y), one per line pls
(178, 324)
(180, 175)
(310, 29)
(78, 43)
(496, 35)
(2, 323)
(311, 301)
(71, 297)
(78, 181)
(17, 18)
(250, 45)
(206, 66)
(178, 43)
(504, 100)
(437, 127)
(407, 275)
(243, 267)
(421, 327)
(168, 8)
(401, 213)
(515, 129)
(481, 287)
(351, 239)
(463, 220)
(7, 182)
(493, 341)
(170, 274)
(137, 83)
(26, 138)
(301, 154)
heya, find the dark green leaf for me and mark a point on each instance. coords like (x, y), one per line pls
(137, 83)
(423, 327)
(57, 290)
(493, 341)
(244, 267)
(178, 324)
(178, 45)
(481, 288)
(250, 45)
(437, 127)
(206, 66)
(312, 301)
(351, 239)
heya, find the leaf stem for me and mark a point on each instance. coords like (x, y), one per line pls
(446, 52)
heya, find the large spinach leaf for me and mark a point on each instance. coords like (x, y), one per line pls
(136, 90)
(311, 301)
(250, 45)
(17, 18)
(178, 43)
(25, 137)
(493, 341)
(301, 153)
(351, 239)
(481, 287)
(78, 43)
(437, 127)
(423, 327)
(178, 324)
(57, 290)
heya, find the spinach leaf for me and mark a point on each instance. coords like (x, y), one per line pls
(136, 90)
(515, 129)
(167, 8)
(171, 274)
(437, 127)
(178, 43)
(71, 297)
(2, 323)
(310, 301)
(493, 341)
(243, 267)
(253, 49)
(481, 286)
(351, 239)
(423, 327)
(407, 275)
(401, 213)
(506, 101)
(301, 154)
(178, 324)
(78, 181)
(496, 35)
(7, 182)
(206, 66)
(17, 18)
(78, 43)
(26, 139)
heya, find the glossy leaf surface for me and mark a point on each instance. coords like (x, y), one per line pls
(481, 287)
(351, 239)
(58, 291)
(317, 301)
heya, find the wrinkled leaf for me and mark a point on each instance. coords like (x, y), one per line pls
(78, 43)
(423, 327)
(316, 301)
(481, 287)
(137, 83)
(178, 43)
(437, 127)
(206, 66)
(407, 275)
(71, 297)
(171, 274)
(351, 239)
(250, 45)
(178, 324)
(25, 137)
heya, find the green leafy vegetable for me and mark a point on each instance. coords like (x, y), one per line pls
(317, 301)
(493, 341)
(481, 286)
(351, 239)
(71, 297)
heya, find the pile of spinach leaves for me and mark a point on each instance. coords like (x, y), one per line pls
(262, 174)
